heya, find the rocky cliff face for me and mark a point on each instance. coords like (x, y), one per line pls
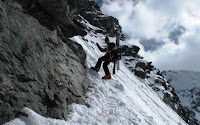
(40, 67)
(37, 69)
(56, 13)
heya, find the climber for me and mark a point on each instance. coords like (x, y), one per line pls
(107, 58)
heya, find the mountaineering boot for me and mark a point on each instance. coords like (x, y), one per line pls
(95, 69)
(107, 77)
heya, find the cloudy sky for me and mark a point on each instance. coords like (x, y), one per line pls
(167, 31)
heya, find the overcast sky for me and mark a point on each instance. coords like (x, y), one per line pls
(167, 31)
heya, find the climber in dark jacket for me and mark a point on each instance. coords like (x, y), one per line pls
(107, 58)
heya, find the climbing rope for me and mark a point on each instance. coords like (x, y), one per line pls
(102, 108)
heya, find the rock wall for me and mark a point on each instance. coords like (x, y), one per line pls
(56, 13)
(37, 69)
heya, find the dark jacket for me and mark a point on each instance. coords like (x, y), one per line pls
(108, 49)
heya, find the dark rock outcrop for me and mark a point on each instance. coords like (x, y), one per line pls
(130, 51)
(141, 65)
(56, 13)
(140, 73)
(37, 69)
(186, 86)
(143, 69)
(168, 95)
(108, 24)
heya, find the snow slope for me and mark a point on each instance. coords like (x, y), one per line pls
(187, 87)
(123, 100)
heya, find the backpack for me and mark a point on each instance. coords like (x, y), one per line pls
(116, 54)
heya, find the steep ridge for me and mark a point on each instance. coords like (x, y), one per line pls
(187, 87)
(122, 100)
(122, 95)
(144, 70)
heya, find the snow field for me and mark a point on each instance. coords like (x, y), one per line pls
(125, 99)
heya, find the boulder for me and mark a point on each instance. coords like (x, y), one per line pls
(141, 65)
(135, 49)
(139, 72)
(130, 51)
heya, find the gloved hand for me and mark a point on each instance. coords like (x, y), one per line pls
(97, 44)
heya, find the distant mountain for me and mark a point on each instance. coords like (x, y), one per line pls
(187, 87)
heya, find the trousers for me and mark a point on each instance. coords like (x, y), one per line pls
(106, 59)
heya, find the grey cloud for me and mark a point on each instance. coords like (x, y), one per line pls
(151, 44)
(175, 34)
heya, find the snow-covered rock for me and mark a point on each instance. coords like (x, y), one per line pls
(187, 87)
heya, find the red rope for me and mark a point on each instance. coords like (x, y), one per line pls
(102, 108)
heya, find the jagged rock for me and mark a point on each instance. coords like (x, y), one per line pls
(141, 65)
(187, 90)
(140, 73)
(144, 69)
(130, 51)
(37, 69)
(109, 25)
(135, 48)
(56, 13)
(161, 82)
(149, 66)
(174, 103)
